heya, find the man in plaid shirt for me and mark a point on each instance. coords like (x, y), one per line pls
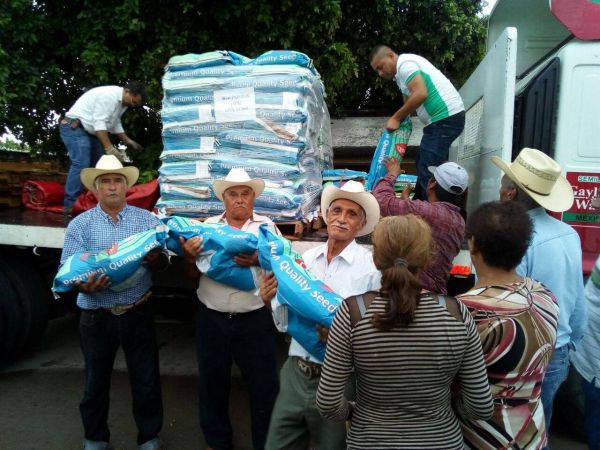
(112, 319)
(446, 195)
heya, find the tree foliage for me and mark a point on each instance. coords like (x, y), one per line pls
(50, 51)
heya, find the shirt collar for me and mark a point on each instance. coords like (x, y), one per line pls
(347, 254)
(539, 211)
(255, 218)
(107, 216)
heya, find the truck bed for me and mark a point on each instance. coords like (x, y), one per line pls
(30, 228)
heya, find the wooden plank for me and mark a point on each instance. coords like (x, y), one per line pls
(365, 131)
(10, 201)
(318, 223)
(292, 230)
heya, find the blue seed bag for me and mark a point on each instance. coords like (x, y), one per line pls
(283, 57)
(122, 263)
(390, 145)
(309, 300)
(220, 244)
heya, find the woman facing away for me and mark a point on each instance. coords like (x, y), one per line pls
(405, 349)
(516, 318)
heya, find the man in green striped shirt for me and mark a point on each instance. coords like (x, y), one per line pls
(432, 96)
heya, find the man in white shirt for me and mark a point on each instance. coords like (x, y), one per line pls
(348, 269)
(233, 324)
(432, 96)
(85, 130)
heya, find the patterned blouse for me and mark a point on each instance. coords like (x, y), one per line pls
(517, 325)
(403, 378)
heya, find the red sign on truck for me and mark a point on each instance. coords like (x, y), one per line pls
(583, 217)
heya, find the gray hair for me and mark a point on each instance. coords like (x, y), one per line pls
(522, 196)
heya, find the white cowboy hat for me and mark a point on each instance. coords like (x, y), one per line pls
(539, 176)
(353, 191)
(237, 177)
(108, 164)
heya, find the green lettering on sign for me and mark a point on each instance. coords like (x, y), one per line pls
(580, 217)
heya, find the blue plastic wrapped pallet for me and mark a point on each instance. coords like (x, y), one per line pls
(266, 115)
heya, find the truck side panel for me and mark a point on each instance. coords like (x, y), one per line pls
(488, 96)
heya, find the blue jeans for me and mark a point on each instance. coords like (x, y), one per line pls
(84, 151)
(101, 335)
(434, 148)
(592, 412)
(249, 339)
(556, 374)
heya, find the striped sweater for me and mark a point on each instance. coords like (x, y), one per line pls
(403, 378)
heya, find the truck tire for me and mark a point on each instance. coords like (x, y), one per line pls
(34, 297)
(11, 339)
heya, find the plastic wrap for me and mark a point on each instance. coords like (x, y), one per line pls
(266, 115)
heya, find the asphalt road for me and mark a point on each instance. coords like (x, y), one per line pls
(39, 395)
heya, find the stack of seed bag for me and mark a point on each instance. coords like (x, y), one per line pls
(391, 145)
(266, 115)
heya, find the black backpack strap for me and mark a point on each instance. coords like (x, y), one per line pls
(451, 304)
(358, 305)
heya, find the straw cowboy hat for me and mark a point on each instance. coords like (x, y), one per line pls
(108, 164)
(353, 191)
(539, 176)
(237, 177)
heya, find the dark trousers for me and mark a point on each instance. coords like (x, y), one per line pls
(434, 148)
(591, 397)
(250, 340)
(101, 335)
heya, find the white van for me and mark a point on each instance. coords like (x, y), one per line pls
(538, 86)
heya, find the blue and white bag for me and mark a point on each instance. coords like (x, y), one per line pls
(220, 243)
(122, 263)
(308, 299)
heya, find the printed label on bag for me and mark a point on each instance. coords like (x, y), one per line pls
(202, 169)
(235, 105)
(290, 100)
(205, 113)
(207, 144)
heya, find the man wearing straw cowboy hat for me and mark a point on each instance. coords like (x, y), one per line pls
(107, 319)
(554, 255)
(233, 324)
(348, 269)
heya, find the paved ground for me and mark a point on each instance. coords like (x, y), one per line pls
(39, 395)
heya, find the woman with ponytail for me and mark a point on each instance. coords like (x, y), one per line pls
(406, 346)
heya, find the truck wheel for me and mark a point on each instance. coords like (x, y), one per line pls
(33, 296)
(11, 339)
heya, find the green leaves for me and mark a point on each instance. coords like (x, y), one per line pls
(50, 52)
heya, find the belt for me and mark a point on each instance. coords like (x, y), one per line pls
(232, 315)
(118, 310)
(311, 369)
(68, 121)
